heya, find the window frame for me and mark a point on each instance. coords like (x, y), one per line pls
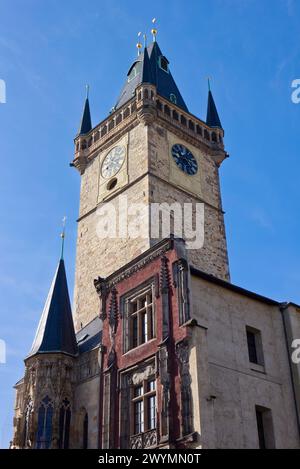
(127, 302)
(144, 400)
(64, 424)
(258, 347)
(45, 417)
(265, 427)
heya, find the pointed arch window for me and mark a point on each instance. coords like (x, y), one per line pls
(44, 431)
(64, 424)
(85, 431)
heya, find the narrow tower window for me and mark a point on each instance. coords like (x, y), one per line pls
(64, 424)
(44, 431)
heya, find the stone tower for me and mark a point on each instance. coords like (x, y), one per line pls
(149, 150)
(46, 393)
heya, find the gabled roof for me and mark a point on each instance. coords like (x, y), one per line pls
(148, 70)
(86, 121)
(212, 118)
(55, 332)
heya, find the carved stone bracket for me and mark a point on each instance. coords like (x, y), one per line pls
(165, 296)
(102, 290)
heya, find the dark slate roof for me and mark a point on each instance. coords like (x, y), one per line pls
(55, 332)
(89, 336)
(212, 118)
(86, 121)
(149, 71)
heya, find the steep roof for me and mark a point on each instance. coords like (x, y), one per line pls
(147, 68)
(212, 118)
(86, 121)
(55, 332)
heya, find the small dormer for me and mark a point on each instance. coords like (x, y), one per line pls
(163, 63)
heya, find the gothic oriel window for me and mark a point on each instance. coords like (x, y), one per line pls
(44, 430)
(143, 415)
(64, 424)
(141, 320)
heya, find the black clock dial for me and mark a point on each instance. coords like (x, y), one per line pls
(184, 159)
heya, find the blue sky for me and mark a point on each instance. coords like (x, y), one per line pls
(50, 49)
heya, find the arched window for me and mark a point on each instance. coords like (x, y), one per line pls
(85, 431)
(44, 430)
(64, 424)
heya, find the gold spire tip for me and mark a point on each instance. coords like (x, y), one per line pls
(154, 29)
(139, 45)
(62, 235)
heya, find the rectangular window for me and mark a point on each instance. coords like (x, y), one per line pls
(144, 407)
(254, 346)
(141, 319)
(265, 429)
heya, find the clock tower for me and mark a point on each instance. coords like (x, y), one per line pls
(150, 152)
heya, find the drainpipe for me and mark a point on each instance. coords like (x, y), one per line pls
(283, 307)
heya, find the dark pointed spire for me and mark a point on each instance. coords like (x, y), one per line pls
(146, 69)
(212, 118)
(86, 121)
(55, 332)
(151, 66)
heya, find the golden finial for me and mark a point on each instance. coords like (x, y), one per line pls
(139, 45)
(62, 235)
(154, 30)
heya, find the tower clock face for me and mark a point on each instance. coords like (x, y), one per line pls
(184, 159)
(113, 162)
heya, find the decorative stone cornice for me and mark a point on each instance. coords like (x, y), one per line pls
(136, 265)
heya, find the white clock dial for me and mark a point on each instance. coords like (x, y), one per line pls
(113, 162)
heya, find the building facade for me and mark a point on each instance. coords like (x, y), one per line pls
(163, 350)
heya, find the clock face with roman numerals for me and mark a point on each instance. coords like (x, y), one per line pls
(184, 159)
(113, 162)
